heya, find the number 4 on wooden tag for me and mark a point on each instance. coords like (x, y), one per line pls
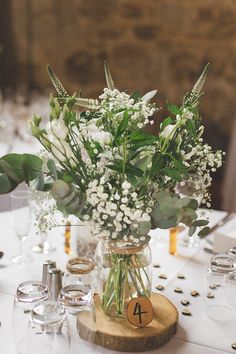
(139, 311)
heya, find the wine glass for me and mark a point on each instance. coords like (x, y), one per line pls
(21, 221)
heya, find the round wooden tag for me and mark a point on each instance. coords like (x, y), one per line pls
(139, 311)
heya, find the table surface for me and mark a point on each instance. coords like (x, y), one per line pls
(195, 334)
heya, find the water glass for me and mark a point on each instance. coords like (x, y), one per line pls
(48, 331)
(27, 295)
(220, 287)
(78, 301)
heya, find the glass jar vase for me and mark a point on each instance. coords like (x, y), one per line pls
(124, 273)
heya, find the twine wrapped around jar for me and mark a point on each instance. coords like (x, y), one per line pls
(79, 265)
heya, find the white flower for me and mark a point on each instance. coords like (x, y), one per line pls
(102, 137)
(126, 185)
(187, 114)
(58, 128)
(168, 131)
(61, 150)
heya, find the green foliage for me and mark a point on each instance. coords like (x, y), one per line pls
(17, 168)
(56, 83)
(141, 138)
(173, 108)
(170, 210)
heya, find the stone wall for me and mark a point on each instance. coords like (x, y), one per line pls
(161, 44)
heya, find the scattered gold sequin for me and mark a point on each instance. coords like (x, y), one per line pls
(180, 276)
(178, 290)
(162, 276)
(156, 265)
(233, 346)
(185, 302)
(195, 293)
(160, 287)
(186, 312)
(210, 296)
(214, 286)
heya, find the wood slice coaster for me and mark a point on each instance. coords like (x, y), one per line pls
(118, 334)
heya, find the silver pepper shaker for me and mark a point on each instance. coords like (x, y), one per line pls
(48, 264)
(55, 283)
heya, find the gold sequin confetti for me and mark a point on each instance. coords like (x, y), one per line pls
(178, 290)
(233, 346)
(186, 312)
(195, 293)
(162, 276)
(185, 302)
(210, 296)
(160, 287)
(156, 265)
(214, 286)
(180, 276)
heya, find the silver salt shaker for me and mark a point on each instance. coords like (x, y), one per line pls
(55, 283)
(48, 264)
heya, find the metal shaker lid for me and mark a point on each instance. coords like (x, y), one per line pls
(54, 283)
(48, 264)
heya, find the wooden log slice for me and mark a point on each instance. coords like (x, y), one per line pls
(118, 334)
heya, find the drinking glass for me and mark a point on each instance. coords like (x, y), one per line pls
(27, 295)
(220, 287)
(48, 331)
(230, 289)
(21, 221)
(78, 301)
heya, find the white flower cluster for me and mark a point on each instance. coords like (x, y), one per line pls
(140, 111)
(203, 161)
(117, 212)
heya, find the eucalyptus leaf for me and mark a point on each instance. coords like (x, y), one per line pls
(5, 185)
(204, 232)
(200, 222)
(52, 168)
(192, 230)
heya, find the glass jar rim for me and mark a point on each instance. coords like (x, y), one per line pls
(48, 313)
(73, 265)
(223, 263)
(76, 295)
(32, 291)
(121, 247)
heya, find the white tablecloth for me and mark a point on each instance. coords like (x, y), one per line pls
(195, 334)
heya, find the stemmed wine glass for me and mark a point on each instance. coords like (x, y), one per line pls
(21, 221)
